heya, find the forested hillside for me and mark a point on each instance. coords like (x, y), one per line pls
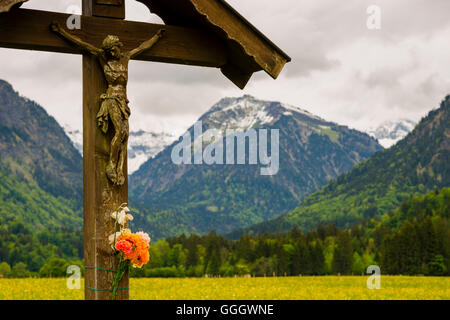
(24, 252)
(412, 239)
(415, 165)
(40, 169)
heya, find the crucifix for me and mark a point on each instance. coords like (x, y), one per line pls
(207, 33)
(114, 105)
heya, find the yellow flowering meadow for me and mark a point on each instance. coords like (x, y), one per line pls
(289, 288)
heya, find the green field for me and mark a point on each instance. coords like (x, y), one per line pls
(289, 288)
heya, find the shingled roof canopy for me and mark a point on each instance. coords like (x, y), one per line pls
(248, 50)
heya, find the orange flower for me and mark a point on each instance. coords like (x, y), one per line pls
(134, 248)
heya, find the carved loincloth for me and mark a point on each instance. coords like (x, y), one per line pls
(103, 114)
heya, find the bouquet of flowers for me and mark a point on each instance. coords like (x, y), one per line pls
(132, 247)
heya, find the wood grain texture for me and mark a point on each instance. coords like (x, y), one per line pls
(6, 5)
(29, 29)
(237, 29)
(109, 8)
(101, 198)
(248, 50)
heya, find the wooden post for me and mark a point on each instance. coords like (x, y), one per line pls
(101, 198)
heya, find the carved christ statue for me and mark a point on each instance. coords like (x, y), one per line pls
(114, 103)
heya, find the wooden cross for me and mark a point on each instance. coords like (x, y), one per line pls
(206, 33)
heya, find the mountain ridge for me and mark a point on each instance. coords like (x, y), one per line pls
(40, 169)
(390, 132)
(312, 152)
(33, 140)
(416, 164)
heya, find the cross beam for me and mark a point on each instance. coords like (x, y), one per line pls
(29, 29)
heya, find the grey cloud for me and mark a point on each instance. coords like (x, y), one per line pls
(318, 35)
(52, 5)
(158, 99)
(431, 85)
(387, 77)
(176, 74)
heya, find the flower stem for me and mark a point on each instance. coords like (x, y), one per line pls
(122, 268)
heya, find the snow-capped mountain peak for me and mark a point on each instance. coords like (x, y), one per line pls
(299, 110)
(247, 112)
(142, 145)
(238, 113)
(390, 132)
(76, 137)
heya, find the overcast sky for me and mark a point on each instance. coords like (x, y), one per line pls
(340, 70)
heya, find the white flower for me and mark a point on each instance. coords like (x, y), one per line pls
(122, 217)
(114, 215)
(126, 209)
(113, 237)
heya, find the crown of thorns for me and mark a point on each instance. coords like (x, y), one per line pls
(111, 41)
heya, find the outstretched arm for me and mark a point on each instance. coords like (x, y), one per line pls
(77, 41)
(147, 44)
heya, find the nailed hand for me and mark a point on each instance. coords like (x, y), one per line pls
(55, 26)
(161, 32)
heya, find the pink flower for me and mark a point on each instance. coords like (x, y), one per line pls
(144, 236)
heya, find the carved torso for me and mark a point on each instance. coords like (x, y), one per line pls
(116, 74)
